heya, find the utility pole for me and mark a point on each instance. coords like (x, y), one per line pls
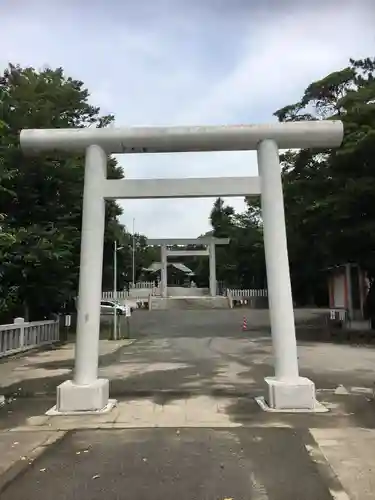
(133, 256)
(115, 250)
(115, 290)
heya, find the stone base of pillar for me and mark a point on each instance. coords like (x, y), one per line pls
(290, 396)
(75, 399)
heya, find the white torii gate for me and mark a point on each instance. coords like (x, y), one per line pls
(208, 241)
(286, 390)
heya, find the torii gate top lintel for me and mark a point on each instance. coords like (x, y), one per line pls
(305, 134)
(187, 241)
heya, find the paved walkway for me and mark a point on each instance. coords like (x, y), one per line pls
(186, 414)
(161, 464)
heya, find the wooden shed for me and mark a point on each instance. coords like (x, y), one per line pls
(348, 286)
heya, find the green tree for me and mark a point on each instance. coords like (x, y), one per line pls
(241, 263)
(41, 197)
(249, 249)
(329, 194)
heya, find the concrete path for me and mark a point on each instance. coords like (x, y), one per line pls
(38, 372)
(165, 464)
(186, 387)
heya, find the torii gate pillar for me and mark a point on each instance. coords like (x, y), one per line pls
(212, 267)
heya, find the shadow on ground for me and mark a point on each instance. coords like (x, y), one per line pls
(177, 356)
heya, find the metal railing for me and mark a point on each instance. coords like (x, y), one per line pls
(22, 336)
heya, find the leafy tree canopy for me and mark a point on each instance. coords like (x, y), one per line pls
(41, 196)
(328, 194)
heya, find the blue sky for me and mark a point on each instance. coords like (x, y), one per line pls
(187, 62)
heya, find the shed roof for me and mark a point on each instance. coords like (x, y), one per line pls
(156, 266)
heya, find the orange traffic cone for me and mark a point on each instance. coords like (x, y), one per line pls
(244, 324)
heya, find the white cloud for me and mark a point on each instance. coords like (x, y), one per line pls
(164, 62)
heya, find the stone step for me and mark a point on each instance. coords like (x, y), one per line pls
(179, 291)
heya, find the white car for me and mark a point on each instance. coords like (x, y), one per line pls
(109, 306)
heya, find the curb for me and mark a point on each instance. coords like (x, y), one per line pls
(20, 467)
(326, 471)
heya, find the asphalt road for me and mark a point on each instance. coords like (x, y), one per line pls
(160, 464)
(177, 354)
(207, 351)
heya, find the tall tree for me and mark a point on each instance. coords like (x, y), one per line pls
(241, 263)
(41, 197)
(329, 194)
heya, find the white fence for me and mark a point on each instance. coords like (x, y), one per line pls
(139, 294)
(255, 298)
(143, 284)
(121, 294)
(22, 336)
(238, 294)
